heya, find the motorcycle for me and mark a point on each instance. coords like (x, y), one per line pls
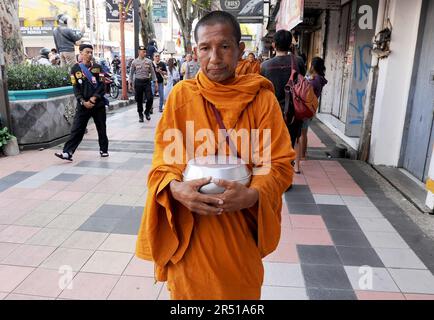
(113, 84)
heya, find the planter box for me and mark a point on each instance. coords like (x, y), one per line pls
(42, 123)
(39, 94)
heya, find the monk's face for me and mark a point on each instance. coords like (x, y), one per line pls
(251, 57)
(218, 51)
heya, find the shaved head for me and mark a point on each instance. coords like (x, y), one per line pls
(219, 17)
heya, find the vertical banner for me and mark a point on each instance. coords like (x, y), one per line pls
(159, 11)
(290, 14)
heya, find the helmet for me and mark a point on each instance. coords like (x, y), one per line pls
(44, 52)
(62, 19)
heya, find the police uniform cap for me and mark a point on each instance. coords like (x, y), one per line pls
(142, 48)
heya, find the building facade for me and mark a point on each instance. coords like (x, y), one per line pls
(401, 81)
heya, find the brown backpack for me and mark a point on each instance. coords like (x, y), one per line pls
(303, 96)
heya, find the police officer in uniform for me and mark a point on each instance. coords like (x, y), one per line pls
(90, 98)
(143, 72)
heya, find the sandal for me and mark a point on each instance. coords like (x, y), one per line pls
(64, 156)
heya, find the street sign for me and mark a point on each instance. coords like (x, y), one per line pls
(246, 37)
(246, 11)
(112, 11)
(37, 31)
(159, 11)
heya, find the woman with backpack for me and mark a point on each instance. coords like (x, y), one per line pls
(318, 81)
(173, 76)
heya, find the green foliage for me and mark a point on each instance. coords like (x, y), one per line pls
(34, 77)
(5, 136)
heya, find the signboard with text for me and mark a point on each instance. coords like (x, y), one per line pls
(290, 14)
(159, 11)
(246, 11)
(112, 11)
(323, 4)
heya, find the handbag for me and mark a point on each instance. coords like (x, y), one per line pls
(303, 96)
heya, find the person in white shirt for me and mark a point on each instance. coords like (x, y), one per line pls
(173, 77)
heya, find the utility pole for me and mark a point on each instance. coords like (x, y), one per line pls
(91, 22)
(122, 16)
(4, 100)
(136, 27)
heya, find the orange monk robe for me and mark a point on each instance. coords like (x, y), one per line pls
(215, 257)
(245, 67)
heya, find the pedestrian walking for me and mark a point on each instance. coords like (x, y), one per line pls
(212, 246)
(65, 39)
(152, 48)
(192, 67)
(188, 58)
(141, 74)
(318, 81)
(116, 64)
(173, 77)
(88, 83)
(161, 72)
(278, 71)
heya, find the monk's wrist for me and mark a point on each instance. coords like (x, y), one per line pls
(253, 197)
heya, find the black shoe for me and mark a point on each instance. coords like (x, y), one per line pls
(141, 119)
(148, 117)
(64, 156)
(103, 154)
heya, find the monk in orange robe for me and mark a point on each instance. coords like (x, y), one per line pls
(250, 65)
(211, 246)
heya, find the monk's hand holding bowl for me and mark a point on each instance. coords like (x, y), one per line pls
(236, 196)
(187, 193)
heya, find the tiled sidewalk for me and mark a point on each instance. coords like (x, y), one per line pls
(68, 230)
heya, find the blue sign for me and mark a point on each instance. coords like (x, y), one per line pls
(159, 11)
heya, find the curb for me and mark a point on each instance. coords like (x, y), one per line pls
(114, 105)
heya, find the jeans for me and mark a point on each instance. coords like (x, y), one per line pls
(161, 94)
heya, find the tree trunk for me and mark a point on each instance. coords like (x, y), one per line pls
(10, 32)
(185, 11)
(147, 30)
(186, 35)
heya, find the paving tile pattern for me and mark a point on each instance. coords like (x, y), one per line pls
(68, 230)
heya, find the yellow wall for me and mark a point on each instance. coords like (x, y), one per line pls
(35, 11)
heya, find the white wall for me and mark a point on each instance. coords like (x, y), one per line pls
(394, 83)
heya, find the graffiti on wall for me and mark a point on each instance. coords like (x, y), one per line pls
(360, 76)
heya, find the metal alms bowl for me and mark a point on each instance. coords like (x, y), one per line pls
(218, 167)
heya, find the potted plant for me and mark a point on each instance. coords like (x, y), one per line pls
(8, 143)
(42, 104)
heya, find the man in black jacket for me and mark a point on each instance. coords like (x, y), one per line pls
(65, 39)
(89, 91)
